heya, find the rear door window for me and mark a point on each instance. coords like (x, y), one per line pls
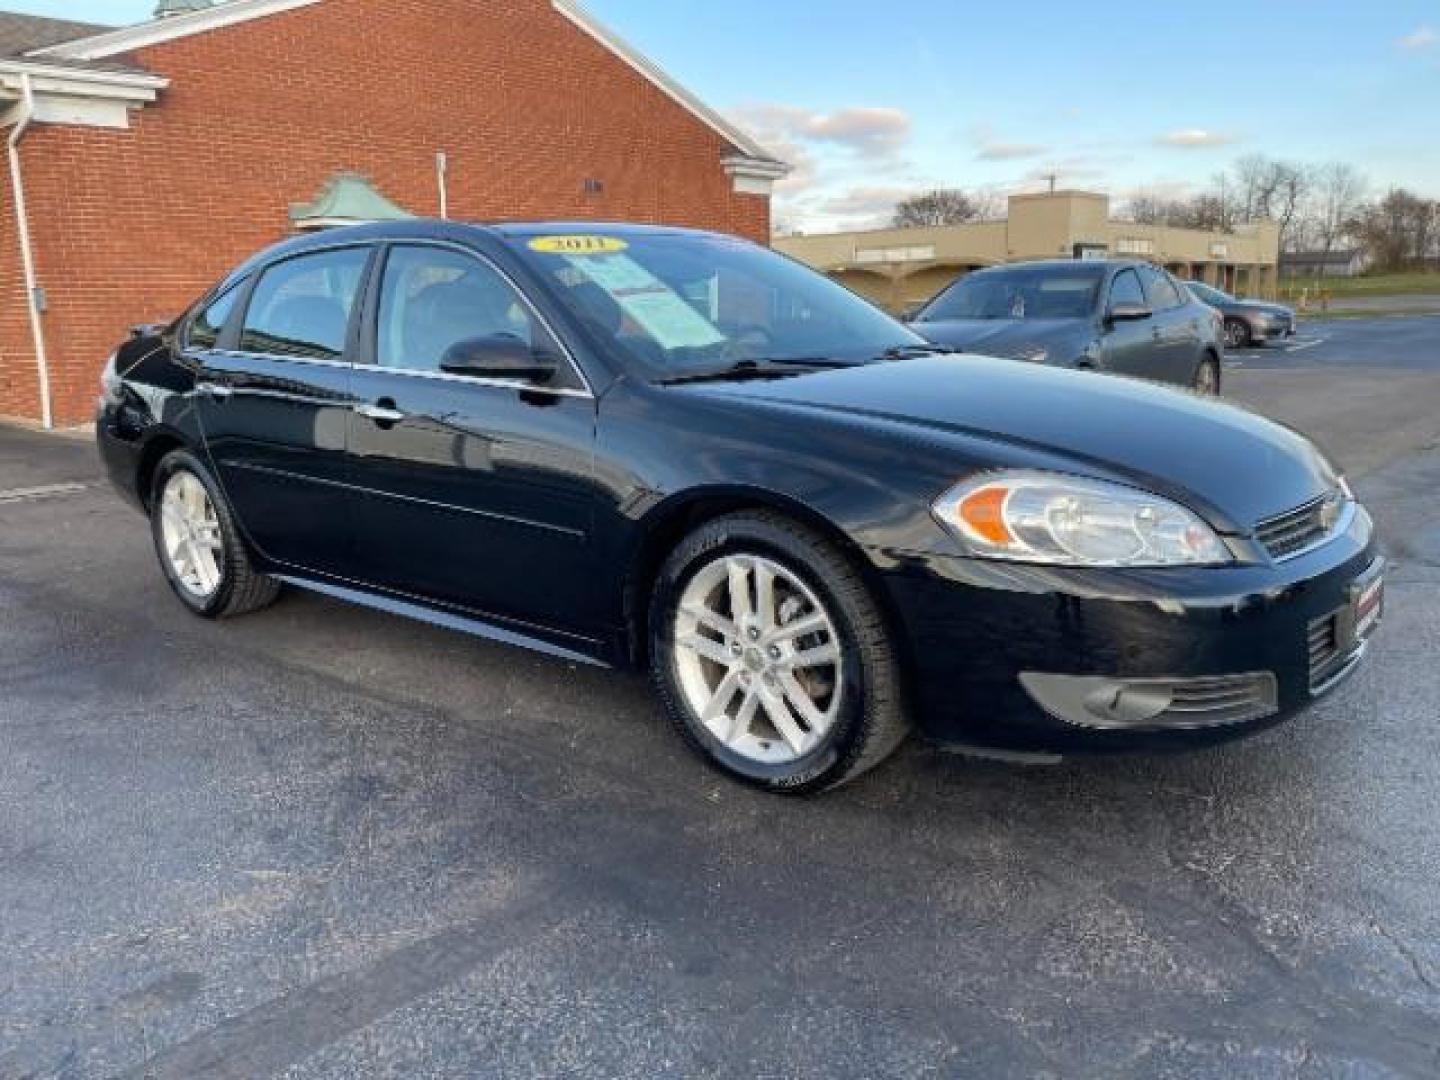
(301, 307)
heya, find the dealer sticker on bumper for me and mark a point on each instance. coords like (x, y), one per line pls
(1366, 603)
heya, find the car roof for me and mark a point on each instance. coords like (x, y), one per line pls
(1108, 264)
(437, 229)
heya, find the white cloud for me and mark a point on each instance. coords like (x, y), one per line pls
(1003, 151)
(865, 206)
(1066, 172)
(862, 129)
(1422, 37)
(1194, 138)
(846, 163)
(989, 147)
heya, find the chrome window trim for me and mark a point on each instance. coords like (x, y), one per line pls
(505, 384)
(471, 380)
(442, 376)
(312, 361)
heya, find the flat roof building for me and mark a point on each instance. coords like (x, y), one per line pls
(899, 268)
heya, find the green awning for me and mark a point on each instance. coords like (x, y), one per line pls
(348, 199)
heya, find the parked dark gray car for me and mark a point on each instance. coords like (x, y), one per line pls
(1247, 322)
(1125, 317)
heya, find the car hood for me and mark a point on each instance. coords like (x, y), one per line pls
(1274, 309)
(1010, 338)
(1240, 307)
(1230, 464)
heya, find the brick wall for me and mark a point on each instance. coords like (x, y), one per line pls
(129, 226)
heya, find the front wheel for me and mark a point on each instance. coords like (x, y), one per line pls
(772, 658)
(1237, 334)
(198, 544)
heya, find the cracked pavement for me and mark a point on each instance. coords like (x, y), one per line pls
(326, 842)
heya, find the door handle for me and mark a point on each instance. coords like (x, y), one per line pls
(383, 412)
(214, 390)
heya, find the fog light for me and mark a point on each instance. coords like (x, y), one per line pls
(1096, 701)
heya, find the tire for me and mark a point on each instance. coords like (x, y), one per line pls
(1206, 379)
(238, 588)
(1237, 334)
(866, 716)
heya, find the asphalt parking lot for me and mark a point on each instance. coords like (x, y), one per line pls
(325, 842)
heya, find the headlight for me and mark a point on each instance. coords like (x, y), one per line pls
(1051, 518)
(110, 379)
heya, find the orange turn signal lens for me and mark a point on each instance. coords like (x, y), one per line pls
(983, 512)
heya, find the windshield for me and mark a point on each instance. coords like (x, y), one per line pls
(1209, 295)
(685, 303)
(1020, 292)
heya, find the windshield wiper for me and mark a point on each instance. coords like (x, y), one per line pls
(902, 352)
(778, 367)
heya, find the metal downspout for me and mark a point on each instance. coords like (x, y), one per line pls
(27, 257)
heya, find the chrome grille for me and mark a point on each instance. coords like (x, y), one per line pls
(1295, 530)
(1225, 699)
(1324, 646)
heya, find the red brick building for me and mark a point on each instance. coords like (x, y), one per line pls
(145, 160)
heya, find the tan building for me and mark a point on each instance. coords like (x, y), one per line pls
(901, 267)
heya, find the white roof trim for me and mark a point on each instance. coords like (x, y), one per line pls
(572, 10)
(757, 168)
(129, 86)
(158, 31)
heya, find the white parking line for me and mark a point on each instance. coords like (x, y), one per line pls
(49, 491)
(1301, 346)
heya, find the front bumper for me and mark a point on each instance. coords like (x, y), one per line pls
(1270, 327)
(976, 632)
(120, 451)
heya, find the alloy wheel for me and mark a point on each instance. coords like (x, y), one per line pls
(758, 658)
(190, 530)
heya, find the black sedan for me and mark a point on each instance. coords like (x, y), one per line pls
(1124, 317)
(1247, 322)
(628, 445)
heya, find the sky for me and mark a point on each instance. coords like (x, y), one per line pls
(872, 101)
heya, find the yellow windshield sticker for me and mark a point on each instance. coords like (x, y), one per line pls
(578, 245)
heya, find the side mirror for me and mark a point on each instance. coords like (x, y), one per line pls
(498, 356)
(1127, 311)
(909, 312)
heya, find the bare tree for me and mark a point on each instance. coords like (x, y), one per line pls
(1203, 211)
(1400, 230)
(1255, 186)
(1293, 184)
(1339, 189)
(943, 206)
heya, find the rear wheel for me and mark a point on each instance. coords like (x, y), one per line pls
(1237, 334)
(772, 658)
(198, 545)
(1207, 377)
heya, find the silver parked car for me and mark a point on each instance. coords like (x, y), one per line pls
(1120, 316)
